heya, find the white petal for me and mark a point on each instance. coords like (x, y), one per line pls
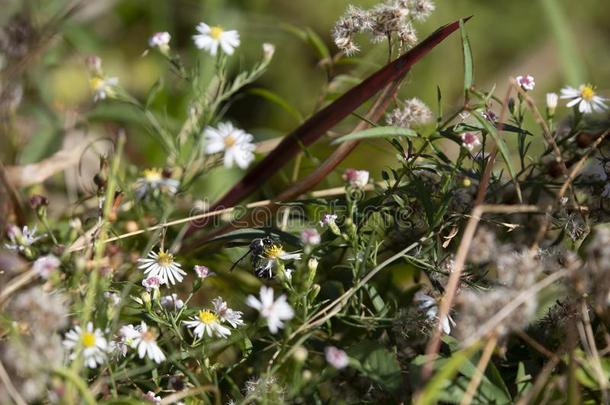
(203, 28)
(252, 302)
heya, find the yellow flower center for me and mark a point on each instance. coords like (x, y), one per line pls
(229, 141)
(587, 93)
(88, 339)
(207, 317)
(216, 32)
(148, 336)
(152, 174)
(96, 83)
(165, 259)
(274, 251)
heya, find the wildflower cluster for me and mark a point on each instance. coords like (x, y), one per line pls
(393, 18)
(484, 231)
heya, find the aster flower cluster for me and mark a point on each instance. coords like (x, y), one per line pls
(413, 113)
(394, 17)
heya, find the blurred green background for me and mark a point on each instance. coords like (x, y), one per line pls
(558, 41)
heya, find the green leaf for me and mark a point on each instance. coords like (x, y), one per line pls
(279, 101)
(377, 363)
(309, 36)
(152, 93)
(522, 381)
(251, 233)
(378, 303)
(294, 30)
(377, 132)
(468, 65)
(447, 372)
(316, 42)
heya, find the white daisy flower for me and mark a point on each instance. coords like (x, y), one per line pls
(21, 239)
(470, 140)
(272, 256)
(144, 340)
(45, 265)
(429, 305)
(103, 87)
(336, 357)
(356, 178)
(160, 40)
(210, 38)
(585, 97)
(275, 312)
(227, 314)
(526, 82)
(125, 339)
(235, 143)
(162, 265)
(92, 341)
(172, 302)
(153, 180)
(203, 272)
(207, 323)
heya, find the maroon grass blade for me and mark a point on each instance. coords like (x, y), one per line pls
(325, 119)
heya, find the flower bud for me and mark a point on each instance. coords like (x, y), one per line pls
(312, 267)
(300, 354)
(551, 103)
(315, 290)
(268, 51)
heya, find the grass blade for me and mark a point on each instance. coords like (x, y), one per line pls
(468, 64)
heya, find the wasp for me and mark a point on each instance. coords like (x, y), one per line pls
(266, 253)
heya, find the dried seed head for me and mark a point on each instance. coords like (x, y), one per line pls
(387, 19)
(36, 348)
(414, 113)
(476, 308)
(517, 268)
(483, 246)
(39, 311)
(354, 21)
(594, 277)
(17, 37)
(419, 10)
(408, 35)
